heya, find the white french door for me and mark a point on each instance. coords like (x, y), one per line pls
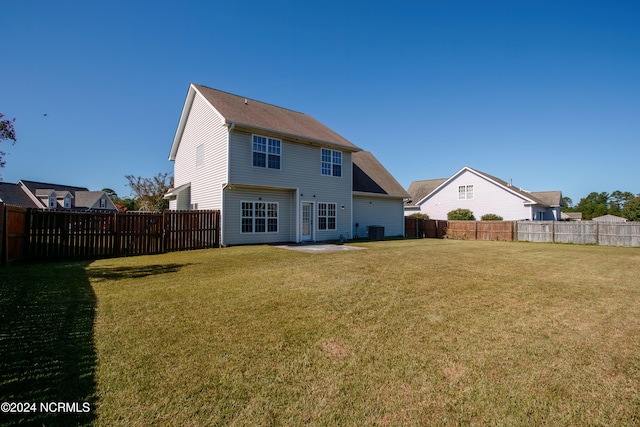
(306, 233)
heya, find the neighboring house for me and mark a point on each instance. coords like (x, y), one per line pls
(275, 174)
(42, 195)
(482, 194)
(571, 216)
(609, 218)
(13, 194)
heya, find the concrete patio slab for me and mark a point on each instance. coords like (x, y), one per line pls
(318, 248)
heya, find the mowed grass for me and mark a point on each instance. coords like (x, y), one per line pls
(415, 332)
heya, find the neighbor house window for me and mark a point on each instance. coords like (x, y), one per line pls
(67, 202)
(200, 156)
(103, 203)
(331, 162)
(327, 216)
(465, 192)
(266, 152)
(259, 217)
(52, 202)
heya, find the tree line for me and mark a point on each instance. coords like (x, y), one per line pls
(623, 204)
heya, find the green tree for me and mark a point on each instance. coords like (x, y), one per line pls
(595, 204)
(617, 200)
(123, 203)
(7, 132)
(567, 203)
(149, 192)
(460, 215)
(631, 209)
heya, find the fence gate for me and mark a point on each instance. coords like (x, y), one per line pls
(139, 234)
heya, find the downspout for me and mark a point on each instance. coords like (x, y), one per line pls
(224, 187)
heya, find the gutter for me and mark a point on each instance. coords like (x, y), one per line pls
(296, 138)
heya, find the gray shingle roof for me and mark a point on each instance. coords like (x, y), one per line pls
(33, 186)
(370, 176)
(551, 198)
(82, 198)
(86, 199)
(12, 194)
(418, 190)
(259, 115)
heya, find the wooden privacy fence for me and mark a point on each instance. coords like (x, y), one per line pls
(424, 228)
(38, 234)
(576, 232)
(481, 230)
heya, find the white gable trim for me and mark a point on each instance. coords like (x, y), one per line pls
(186, 109)
(32, 196)
(527, 200)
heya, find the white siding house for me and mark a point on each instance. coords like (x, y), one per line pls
(482, 194)
(275, 174)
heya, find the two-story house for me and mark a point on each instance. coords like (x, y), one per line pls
(275, 174)
(43, 195)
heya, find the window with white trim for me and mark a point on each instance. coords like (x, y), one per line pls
(465, 192)
(53, 203)
(331, 162)
(103, 203)
(67, 202)
(259, 217)
(266, 152)
(327, 216)
(200, 156)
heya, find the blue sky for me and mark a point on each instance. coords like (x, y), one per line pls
(546, 93)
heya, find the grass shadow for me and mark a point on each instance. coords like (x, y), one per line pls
(119, 273)
(47, 351)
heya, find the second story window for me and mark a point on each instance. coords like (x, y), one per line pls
(266, 152)
(52, 202)
(200, 156)
(331, 162)
(465, 192)
(103, 203)
(67, 202)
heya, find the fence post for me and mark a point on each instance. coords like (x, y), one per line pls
(116, 234)
(165, 234)
(3, 235)
(26, 247)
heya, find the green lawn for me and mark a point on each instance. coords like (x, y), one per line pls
(415, 332)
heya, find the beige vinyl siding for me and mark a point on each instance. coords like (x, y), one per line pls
(388, 213)
(203, 126)
(233, 199)
(300, 168)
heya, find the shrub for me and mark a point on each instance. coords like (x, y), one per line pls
(460, 215)
(419, 216)
(491, 217)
